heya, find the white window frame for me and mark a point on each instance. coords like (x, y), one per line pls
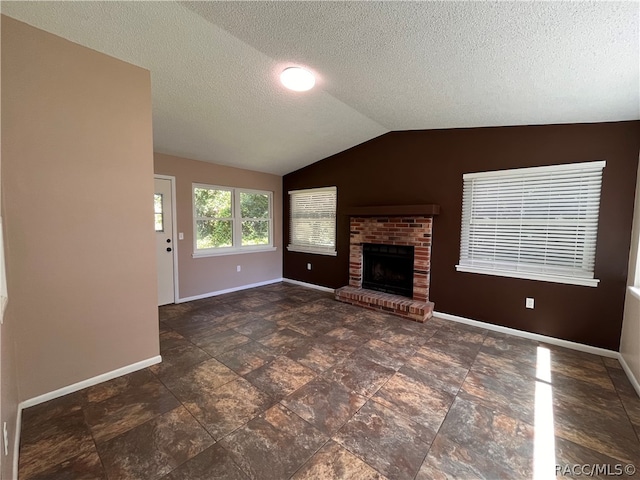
(317, 250)
(582, 275)
(236, 223)
(634, 289)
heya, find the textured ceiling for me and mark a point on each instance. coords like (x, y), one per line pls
(380, 66)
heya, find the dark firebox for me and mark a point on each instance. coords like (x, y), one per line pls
(388, 268)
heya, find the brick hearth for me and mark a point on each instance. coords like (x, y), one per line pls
(386, 302)
(404, 230)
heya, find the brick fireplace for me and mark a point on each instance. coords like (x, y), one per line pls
(400, 225)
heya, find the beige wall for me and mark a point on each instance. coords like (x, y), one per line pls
(9, 397)
(630, 338)
(77, 184)
(200, 276)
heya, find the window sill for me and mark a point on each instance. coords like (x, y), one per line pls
(585, 282)
(331, 253)
(635, 291)
(233, 251)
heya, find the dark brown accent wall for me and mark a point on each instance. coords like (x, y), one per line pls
(423, 167)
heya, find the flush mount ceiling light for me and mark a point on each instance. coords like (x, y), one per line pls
(297, 79)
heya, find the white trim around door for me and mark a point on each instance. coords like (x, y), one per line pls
(174, 224)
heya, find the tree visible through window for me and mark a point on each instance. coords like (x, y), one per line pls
(230, 218)
(254, 210)
(214, 220)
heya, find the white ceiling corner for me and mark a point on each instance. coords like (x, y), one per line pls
(381, 66)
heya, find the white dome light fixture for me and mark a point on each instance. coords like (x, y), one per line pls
(297, 79)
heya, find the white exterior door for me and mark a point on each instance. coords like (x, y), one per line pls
(163, 209)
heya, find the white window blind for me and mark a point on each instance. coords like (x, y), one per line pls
(312, 226)
(538, 223)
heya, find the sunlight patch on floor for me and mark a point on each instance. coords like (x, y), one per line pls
(544, 458)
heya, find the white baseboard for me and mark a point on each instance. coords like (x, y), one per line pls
(254, 285)
(89, 382)
(309, 285)
(228, 290)
(70, 389)
(632, 378)
(603, 352)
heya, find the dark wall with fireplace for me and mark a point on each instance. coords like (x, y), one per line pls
(426, 167)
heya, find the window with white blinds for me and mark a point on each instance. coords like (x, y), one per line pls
(537, 223)
(312, 227)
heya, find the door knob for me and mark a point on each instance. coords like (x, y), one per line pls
(168, 240)
(168, 249)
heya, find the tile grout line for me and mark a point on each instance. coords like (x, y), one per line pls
(622, 403)
(215, 440)
(95, 444)
(450, 405)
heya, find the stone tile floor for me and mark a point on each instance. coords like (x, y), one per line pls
(283, 382)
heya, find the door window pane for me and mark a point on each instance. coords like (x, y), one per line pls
(157, 207)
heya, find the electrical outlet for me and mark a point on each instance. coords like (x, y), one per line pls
(5, 438)
(308, 266)
(528, 302)
(238, 268)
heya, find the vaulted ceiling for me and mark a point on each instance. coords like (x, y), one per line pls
(380, 66)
